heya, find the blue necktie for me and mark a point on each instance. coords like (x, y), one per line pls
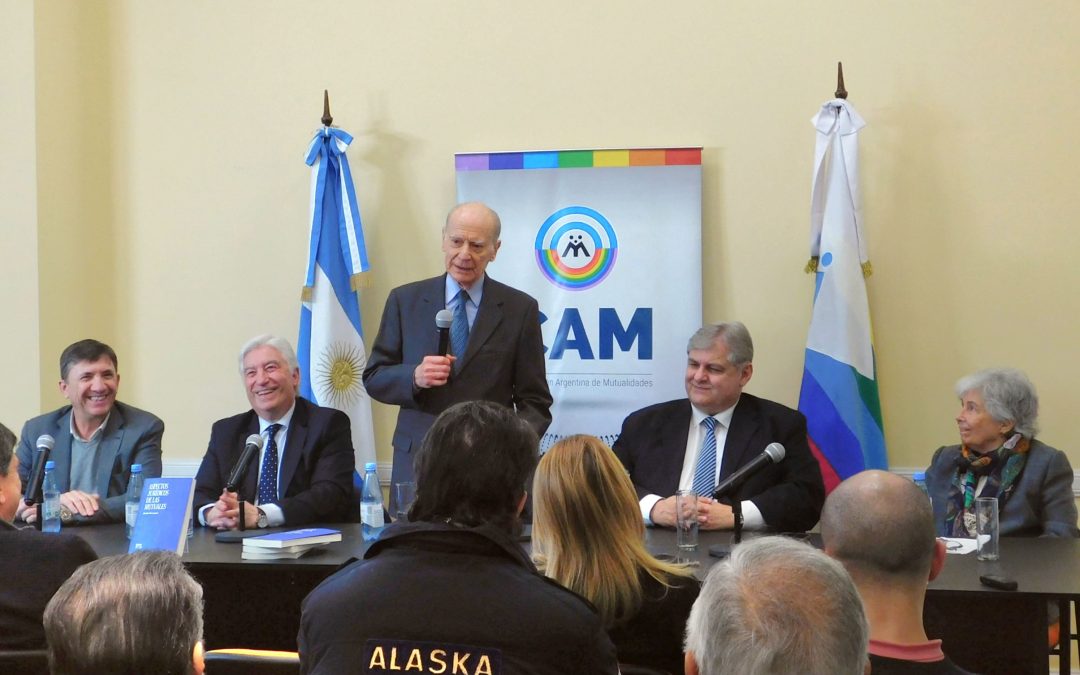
(705, 473)
(459, 329)
(268, 493)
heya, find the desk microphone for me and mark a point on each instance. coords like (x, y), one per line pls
(443, 319)
(45, 444)
(772, 455)
(252, 445)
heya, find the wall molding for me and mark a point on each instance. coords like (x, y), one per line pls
(908, 472)
(187, 468)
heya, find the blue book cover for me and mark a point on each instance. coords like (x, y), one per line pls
(307, 535)
(163, 515)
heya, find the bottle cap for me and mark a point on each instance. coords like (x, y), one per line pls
(136, 468)
(370, 466)
(50, 465)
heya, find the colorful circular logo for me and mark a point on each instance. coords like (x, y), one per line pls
(576, 248)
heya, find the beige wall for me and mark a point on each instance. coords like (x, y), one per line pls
(19, 333)
(172, 194)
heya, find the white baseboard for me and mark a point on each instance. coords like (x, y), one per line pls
(910, 471)
(187, 468)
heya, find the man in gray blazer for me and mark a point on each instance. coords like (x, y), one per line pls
(98, 438)
(499, 357)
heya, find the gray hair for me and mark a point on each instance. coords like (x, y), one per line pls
(734, 335)
(880, 526)
(1008, 395)
(496, 221)
(7, 446)
(135, 613)
(280, 344)
(778, 606)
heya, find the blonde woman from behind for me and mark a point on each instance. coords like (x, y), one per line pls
(589, 536)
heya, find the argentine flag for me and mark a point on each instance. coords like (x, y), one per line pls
(331, 345)
(839, 393)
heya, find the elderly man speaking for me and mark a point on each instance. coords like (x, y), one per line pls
(496, 354)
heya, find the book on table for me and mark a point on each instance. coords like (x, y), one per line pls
(164, 515)
(292, 538)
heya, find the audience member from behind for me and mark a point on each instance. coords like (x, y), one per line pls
(880, 527)
(32, 564)
(134, 613)
(998, 456)
(589, 536)
(451, 590)
(777, 607)
(98, 438)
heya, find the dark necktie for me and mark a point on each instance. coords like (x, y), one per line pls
(459, 329)
(268, 493)
(705, 473)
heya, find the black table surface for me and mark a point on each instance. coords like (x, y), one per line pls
(1042, 566)
(984, 630)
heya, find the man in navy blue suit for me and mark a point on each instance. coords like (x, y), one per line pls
(303, 473)
(662, 445)
(501, 355)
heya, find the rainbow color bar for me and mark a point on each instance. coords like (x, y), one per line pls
(576, 159)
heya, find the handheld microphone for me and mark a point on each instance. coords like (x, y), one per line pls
(252, 445)
(443, 319)
(45, 444)
(772, 455)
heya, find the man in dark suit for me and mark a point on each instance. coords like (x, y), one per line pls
(33, 565)
(304, 471)
(98, 438)
(700, 440)
(497, 353)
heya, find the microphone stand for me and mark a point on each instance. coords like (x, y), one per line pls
(736, 510)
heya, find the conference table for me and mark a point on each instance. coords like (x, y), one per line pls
(256, 603)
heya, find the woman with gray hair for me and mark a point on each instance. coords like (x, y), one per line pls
(998, 456)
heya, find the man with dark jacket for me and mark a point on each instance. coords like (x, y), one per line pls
(451, 590)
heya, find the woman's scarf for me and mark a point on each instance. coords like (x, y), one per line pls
(1001, 467)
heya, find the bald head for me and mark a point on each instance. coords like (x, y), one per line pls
(880, 526)
(478, 213)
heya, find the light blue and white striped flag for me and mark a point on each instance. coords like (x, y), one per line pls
(331, 346)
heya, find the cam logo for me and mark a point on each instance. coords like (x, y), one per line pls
(576, 248)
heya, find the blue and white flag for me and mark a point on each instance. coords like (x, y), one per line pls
(839, 393)
(331, 345)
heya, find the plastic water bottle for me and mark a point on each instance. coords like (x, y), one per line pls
(50, 507)
(134, 498)
(920, 479)
(371, 504)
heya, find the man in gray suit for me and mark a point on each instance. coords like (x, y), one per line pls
(497, 353)
(98, 438)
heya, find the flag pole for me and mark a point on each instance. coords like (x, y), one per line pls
(327, 120)
(840, 91)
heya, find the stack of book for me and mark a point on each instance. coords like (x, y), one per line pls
(289, 544)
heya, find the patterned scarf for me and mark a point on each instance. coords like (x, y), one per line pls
(1001, 467)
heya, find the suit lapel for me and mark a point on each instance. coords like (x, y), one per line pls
(108, 449)
(744, 424)
(61, 452)
(295, 438)
(250, 486)
(431, 299)
(488, 318)
(676, 432)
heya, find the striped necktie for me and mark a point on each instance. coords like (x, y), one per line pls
(705, 473)
(459, 329)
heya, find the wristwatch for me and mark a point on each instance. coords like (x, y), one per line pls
(263, 522)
